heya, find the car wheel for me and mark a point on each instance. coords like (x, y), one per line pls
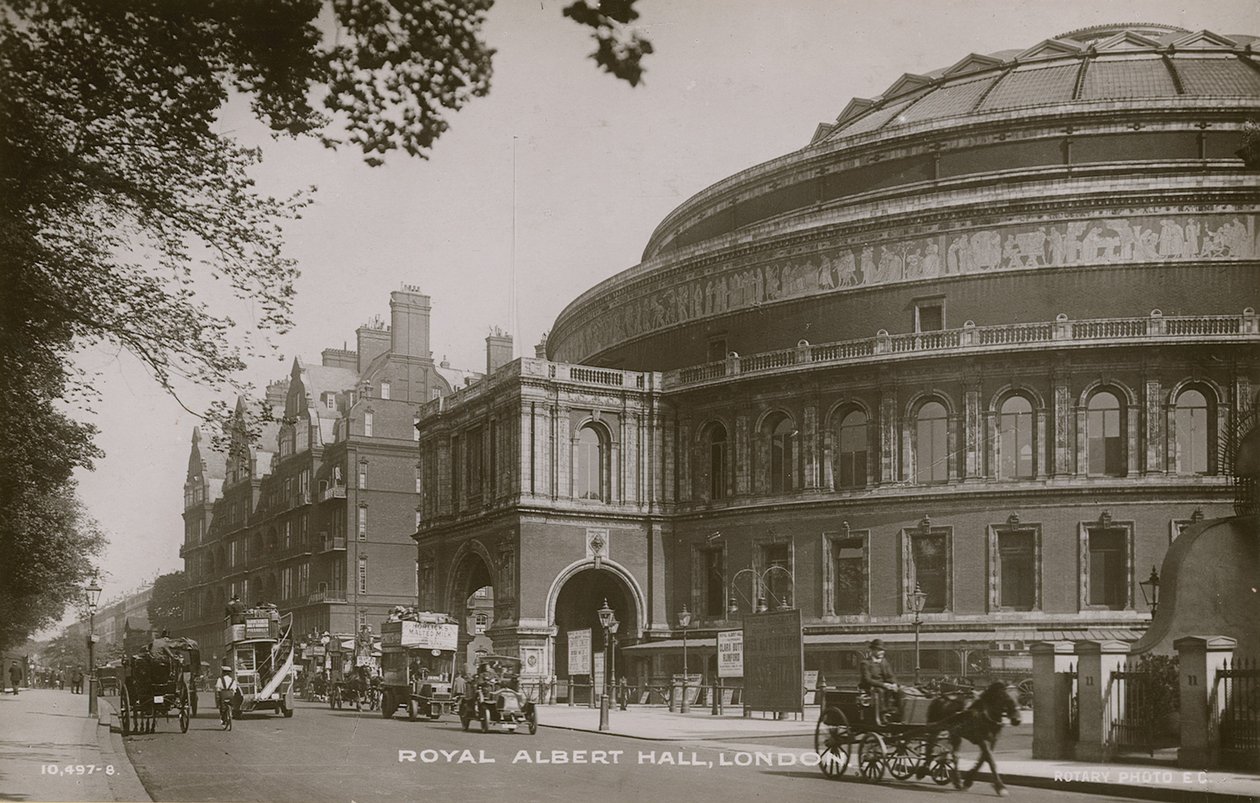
(412, 709)
(532, 720)
(485, 720)
(388, 705)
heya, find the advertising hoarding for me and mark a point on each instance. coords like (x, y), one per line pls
(774, 661)
(730, 652)
(580, 651)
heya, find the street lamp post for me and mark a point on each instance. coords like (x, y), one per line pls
(917, 600)
(761, 590)
(1150, 590)
(684, 620)
(608, 621)
(93, 595)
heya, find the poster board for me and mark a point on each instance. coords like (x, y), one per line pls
(774, 658)
(730, 653)
(579, 651)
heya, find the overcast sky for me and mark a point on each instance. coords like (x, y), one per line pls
(597, 165)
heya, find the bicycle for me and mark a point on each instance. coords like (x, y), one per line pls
(225, 709)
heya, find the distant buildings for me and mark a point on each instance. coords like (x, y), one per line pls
(316, 513)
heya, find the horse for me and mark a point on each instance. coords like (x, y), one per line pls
(980, 724)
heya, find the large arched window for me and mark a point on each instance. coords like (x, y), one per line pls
(851, 451)
(715, 440)
(931, 444)
(781, 433)
(1104, 443)
(1191, 422)
(1015, 440)
(590, 475)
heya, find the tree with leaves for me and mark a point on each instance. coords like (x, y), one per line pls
(166, 603)
(120, 198)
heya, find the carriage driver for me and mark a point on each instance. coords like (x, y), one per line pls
(878, 674)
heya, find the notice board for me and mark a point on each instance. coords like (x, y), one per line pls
(774, 661)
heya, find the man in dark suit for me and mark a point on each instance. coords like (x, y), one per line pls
(878, 678)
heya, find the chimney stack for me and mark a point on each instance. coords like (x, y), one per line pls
(498, 350)
(409, 322)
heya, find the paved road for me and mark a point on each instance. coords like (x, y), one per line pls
(343, 755)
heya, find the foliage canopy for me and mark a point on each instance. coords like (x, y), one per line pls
(120, 197)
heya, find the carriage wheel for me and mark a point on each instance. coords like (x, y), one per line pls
(185, 707)
(1025, 693)
(833, 742)
(872, 757)
(904, 760)
(124, 712)
(945, 769)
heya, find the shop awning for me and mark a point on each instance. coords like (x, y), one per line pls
(927, 639)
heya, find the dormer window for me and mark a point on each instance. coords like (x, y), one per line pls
(330, 401)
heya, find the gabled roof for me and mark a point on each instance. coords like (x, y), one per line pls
(1204, 40)
(1049, 49)
(973, 62)
(1125, 40)
(854, 108)
(908, 82)
(205, 463)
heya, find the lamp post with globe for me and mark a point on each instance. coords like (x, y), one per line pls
(92, 594)
(608, 621)
(684, 621)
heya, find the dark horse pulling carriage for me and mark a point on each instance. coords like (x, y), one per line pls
(851, 721)
(157, 681)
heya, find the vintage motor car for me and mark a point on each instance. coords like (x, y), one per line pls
(494, 697)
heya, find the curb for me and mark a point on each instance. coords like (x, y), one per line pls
(124, 783)
(692, 738)
(1158, 793)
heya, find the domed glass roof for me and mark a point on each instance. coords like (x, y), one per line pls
(1131, 61)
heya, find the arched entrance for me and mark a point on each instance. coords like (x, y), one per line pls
(471, 601)
(576, 608)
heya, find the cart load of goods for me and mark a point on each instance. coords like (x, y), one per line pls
(160, 662)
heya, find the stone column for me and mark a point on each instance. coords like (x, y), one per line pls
(1052, 661)
(1064, 431)
(1096, 660)
(1156, 442)
(889, 465)
(809, 446)
(1199, 658)
(742, 456)
(973, 432)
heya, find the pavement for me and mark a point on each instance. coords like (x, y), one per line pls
(51, 750)
(1013, 753)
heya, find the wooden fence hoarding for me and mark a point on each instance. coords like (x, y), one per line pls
(774, 661)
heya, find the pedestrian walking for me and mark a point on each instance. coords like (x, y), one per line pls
(15, 676)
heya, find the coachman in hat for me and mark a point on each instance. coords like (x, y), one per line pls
(878, 678)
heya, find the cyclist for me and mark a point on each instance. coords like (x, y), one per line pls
(225, 689)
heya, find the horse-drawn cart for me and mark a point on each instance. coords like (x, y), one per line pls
(852, 726)
(156, 682)
(924, 743)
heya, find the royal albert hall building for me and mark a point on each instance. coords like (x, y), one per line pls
(984, 336)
